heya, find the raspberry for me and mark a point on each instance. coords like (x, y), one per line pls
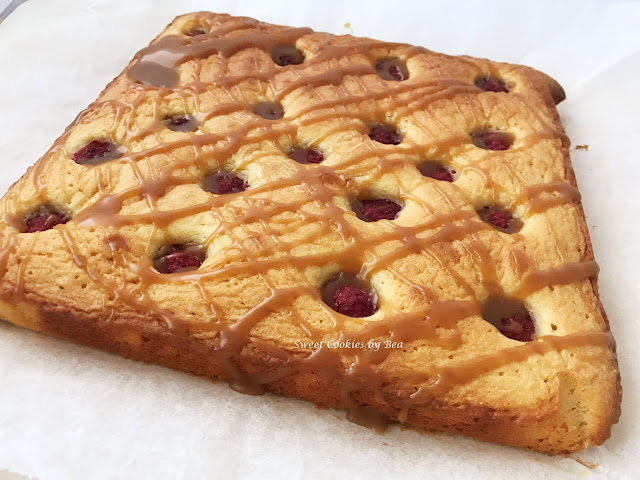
(437, 171)
(181, 123)
(378, 209)
(231, 184)
(491, 84)
(178, 120)
(354, 302)
(395, 72)
(222, 183)
(45, 219)
(442, 174)
(518, 326)
(306, 155)
(181, 261)
(195, 31)
(500, 218)
(510, 317)
(93, 149)
(385, 134)
(285, 55)
(285, 60)
(492, 140)
(180, 258)
(313, 156)
(392, 69)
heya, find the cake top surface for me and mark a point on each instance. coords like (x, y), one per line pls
(372, 210)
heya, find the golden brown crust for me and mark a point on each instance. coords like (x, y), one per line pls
(240, 319)
(140, 339)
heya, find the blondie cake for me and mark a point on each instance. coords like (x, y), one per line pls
(365, 225)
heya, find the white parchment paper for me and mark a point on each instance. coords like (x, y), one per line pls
(70, 412)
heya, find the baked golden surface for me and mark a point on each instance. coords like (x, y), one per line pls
(440, 187)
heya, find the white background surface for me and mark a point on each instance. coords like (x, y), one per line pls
(69, 412)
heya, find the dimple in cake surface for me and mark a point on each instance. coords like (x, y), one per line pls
(266, 204)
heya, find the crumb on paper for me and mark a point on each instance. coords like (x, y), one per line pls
(582, 147)
(385, 444)
(584, 463)
(347, 26)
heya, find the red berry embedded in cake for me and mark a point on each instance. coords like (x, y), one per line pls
(306, 155)
(394, 72)
(96, 152)
(392, 69)
(223, 183)
(181, 123)
(182, 261)
(285, 60)
(350, 295)
(385, 134)
(437, 171)
(491, 84)
(442, 174)
(492, 140)
(231, 184)
(378, 209)
(195, 31)
(500, 218)
(314, 156)
(284, 55)
(179, 258)
(353, 302)
(518, 326)
(93, 149)
(510, 317)
(45, 218)
(178, 120)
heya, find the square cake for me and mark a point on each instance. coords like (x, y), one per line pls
(365, 225)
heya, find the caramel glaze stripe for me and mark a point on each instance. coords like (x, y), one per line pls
(226, 108)
(450, 377)
(565, 274)
(106, 208)
(161, 61)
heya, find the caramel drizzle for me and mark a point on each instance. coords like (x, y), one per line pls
(357, 368)
(557, 193)
(450, 377)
